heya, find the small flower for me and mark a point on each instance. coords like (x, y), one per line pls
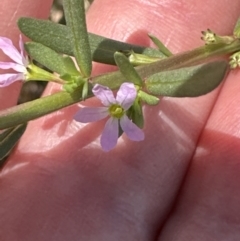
(20, 62)
(26, 70)
(234, 60)
(209, 37)
(115, 108)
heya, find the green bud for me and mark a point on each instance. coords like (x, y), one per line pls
(36, 73)
(209, 37)
(70, 87)
(160, 45)
(141, 59)
(234, 60)
(147, 98)
(72, 82)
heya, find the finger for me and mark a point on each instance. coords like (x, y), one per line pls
(10, 11)
(136, 183)
(208, 204)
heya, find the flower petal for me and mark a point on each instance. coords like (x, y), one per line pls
(104, 94)
(10, 65)
(132, 131)
(110, 134)
(89, 114)
(7, 79)
(21, 46)
(8, 48)
(126, 95)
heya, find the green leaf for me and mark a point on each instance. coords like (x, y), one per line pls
(135, 113)
(70, 66)
(47, 57)
(187, 82)
(236, 31)
(85, 90)
(76, 22)
(127, 69)
(9, 138)
(160, 45)
(57, 37)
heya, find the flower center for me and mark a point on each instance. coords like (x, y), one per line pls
(116, 111)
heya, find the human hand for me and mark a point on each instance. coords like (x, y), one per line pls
(180, 183)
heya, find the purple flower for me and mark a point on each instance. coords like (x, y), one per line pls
(20, 61)
(115, 108)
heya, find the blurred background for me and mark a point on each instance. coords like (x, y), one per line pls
(33, 89)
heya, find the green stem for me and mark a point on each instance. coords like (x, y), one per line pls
(37, 108)
(115, 79)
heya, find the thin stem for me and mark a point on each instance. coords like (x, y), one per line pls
(34, 109)
(115, 79)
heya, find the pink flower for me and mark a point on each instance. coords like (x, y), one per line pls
(115, 108)
(20, 61)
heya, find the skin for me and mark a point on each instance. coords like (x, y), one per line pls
(181, 183)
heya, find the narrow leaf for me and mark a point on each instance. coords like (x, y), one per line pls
(127, 69)
(160, 45)
(76, 22)
(135, 113)
(9, 138)
(47, 57)
(236, 31)
(70, 66)
(187, 82)
(57, 37)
